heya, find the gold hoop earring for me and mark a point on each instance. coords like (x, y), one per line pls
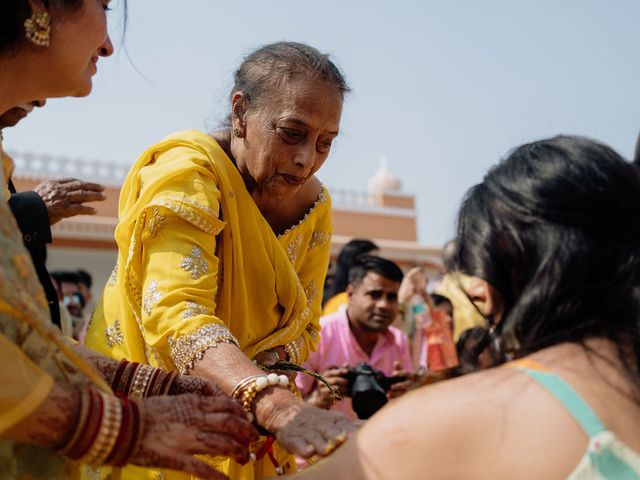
(37, 29)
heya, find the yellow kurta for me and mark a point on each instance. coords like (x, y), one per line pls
(32, 352)
(197, 261)
(465, 314)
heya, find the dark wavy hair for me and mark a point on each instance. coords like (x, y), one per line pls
(364, 264)
(555, 229)
(346, 258)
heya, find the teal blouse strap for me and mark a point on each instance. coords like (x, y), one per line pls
(569, 398)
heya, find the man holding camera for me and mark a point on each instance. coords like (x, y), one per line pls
(360, 353)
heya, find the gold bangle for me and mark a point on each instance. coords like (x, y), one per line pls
(140, 381)
(108, 433)
(247, 390)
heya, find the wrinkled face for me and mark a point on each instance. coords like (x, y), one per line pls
(78, 40)
(288, 138)
(12, 116)
(373, 303)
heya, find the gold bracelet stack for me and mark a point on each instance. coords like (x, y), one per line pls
(107, 430)
(107, 433)
(137, 381)
(247, 390)
(140, 381)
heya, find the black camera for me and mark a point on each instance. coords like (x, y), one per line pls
(368, 389)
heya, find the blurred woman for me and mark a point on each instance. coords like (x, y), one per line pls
(552, 240)
(54, 405)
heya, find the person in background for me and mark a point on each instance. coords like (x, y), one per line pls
(85, 282)
(477, 350)
(48, 203)
(550, 233)
(433, 347)
(453, 286)
(334, 294)
(70, 293)
(361, 333)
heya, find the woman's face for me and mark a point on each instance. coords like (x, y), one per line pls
(78, 40)
(287, 138)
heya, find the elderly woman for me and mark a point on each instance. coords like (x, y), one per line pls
(223, 246)
(54, 404)
(553, 232)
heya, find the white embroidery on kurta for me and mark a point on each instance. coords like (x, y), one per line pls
(195, 264)
(113, 277)
(156, 222)
(114, 334)
(152, 297)
(192, 310)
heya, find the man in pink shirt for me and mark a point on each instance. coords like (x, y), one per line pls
(362, 333)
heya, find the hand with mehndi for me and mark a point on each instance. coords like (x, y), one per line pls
(178, 427)
(197, 385)
(307, 431)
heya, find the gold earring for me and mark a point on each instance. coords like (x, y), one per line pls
(37, 29)
(236, 132)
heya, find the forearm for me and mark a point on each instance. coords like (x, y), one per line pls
(52, 422)
(226, 365)
(105, 365)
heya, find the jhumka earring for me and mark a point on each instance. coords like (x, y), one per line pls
(37, 29)
(236, 132)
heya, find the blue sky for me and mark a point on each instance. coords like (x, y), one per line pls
(442, 89)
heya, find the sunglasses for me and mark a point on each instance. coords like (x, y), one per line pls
(75, 297)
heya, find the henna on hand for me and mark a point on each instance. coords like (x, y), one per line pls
(177, 427)
(54, 420)
(105, 365)
(192, 384)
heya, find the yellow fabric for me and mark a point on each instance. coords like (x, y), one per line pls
(335, 303)
(32, 352)
(27, 385)
(465, 314)
(194, 251)
(7, 171)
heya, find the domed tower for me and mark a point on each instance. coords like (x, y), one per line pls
(383, 181)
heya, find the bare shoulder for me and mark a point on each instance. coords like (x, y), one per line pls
(479, 426)
(433, 431)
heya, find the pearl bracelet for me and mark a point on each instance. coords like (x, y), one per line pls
(247, 390)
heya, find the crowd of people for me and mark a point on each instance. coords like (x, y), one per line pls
(222, 347)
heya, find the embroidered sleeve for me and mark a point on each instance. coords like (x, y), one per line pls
(188, 349)
(179, 270)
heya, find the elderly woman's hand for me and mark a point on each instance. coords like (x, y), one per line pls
(67, 197)
(307, 431)
(177, 427)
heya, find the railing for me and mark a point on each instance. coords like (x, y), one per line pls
(352, 200)
(38, 166)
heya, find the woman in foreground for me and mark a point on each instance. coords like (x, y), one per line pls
(54, 405)
(552, 239)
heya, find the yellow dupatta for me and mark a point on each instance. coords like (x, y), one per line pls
(197, 261)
